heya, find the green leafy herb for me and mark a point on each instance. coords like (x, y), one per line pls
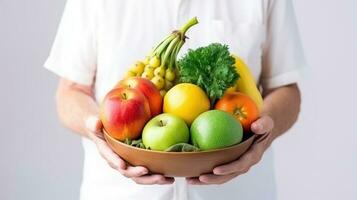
(182, 147)
(136, 143)
(211, 68)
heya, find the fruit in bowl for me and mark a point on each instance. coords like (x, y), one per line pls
(147, 88)
(178, 164)
(124, 112)
(163, 131)
(241, 106)
(187, 101)
(215, 129)
(136, 130)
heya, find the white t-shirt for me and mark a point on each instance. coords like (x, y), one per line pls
(98, 40)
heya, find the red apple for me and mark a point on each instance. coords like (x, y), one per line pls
(124, 112)
(148, 89)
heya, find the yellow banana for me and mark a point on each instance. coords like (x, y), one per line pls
(246, 83)
(159, 66)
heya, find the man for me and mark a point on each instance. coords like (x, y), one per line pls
(99, 39)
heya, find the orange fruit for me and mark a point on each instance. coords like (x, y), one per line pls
(241, 106)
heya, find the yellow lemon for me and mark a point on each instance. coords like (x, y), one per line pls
(187, 101)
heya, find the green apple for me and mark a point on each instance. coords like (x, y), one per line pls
(163, 131)
(215, 129)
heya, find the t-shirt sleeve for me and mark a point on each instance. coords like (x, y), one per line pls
(73, 54)
(283, 58)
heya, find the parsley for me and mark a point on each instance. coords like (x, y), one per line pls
(212, 68)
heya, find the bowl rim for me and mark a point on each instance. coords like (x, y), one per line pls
(106, 135)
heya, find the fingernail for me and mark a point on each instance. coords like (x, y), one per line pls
(121, 165)
(216, 171)
(170, 180)
(143, 172)
(115, 166)
(257, 127)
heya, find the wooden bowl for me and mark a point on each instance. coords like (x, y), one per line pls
(178, 164)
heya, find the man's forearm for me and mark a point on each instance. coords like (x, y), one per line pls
(283, 105)
(75, 103)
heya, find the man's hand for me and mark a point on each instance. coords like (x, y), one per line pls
(138, 174)
(78, 110)
(224, 173)
(280, 111)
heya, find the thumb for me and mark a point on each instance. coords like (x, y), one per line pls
(263, 125)
(94, 124)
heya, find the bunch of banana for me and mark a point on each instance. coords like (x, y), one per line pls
(246, 83)
(160, 65)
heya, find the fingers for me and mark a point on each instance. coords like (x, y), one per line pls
(107, 153)
(137, 173)
(194, 181)
(214, 179)
(94, 127)
(131, 171)
(208, 179)
(153, 179)
(94, 124)
(224, 173)
(263, 125)
(242, 165)
(116, 162)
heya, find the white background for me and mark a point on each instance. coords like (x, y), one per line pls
(316, 160)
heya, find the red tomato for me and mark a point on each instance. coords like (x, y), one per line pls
(241, 106)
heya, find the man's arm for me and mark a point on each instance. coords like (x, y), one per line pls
(280, 111)
(75, 105)
(283, 106)
(78, 111)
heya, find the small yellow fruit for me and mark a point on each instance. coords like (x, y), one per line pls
(170, 75)
(160, 71)
(148, 74)
(187, 101)
(129, 74)
(163, 92)
(154, 61)
(146, 61)
(168, 84)
(149, 67)
(158, 81)
(138, 68)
